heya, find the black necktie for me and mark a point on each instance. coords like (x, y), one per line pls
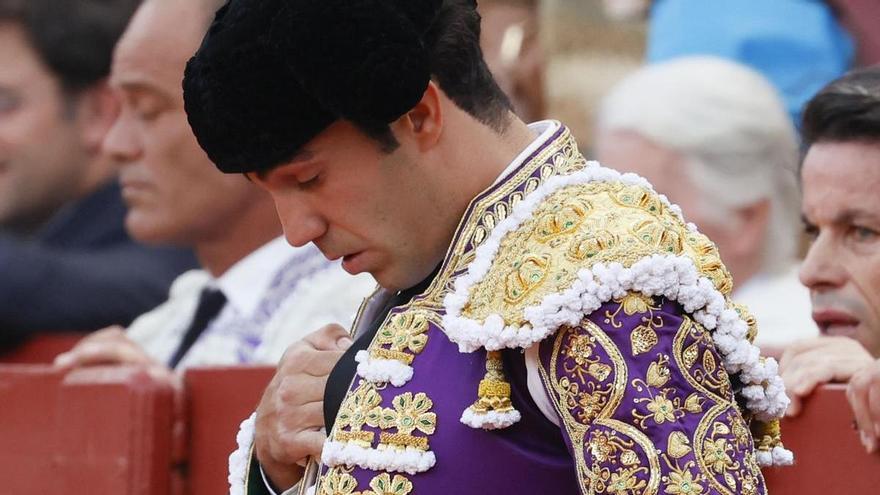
(211, 301)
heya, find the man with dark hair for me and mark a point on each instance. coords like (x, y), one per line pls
(545, 325)
(66, 260)
(840, 178)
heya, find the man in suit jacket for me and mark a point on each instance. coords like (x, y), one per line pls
(66, 260)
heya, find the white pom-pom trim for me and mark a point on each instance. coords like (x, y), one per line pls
(409, 460)
(490, 420)
(382, 370)
(674, 277)
(240, 459)
(778, 456)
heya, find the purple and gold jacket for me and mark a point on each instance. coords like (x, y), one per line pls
(578, 338)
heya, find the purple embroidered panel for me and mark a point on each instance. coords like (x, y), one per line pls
(647, 405)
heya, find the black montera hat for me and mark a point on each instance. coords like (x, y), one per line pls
(272, 74)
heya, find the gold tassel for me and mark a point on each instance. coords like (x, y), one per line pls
(494, 390)
(767, 435)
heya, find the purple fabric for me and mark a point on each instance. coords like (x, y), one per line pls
(603, 442)
(529, 457)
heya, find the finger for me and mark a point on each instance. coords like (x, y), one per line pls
(108, 333)
(309, 416)
(308, 443)
(96, 353)
(817, 367)
(308, 361)
(801, 347)
(299, 390)
(857, 394)
(794, 406)
(330, 337)
(874, 407)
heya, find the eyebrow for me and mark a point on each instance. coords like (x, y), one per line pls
(850, 215)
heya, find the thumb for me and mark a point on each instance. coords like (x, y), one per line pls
(332, 337)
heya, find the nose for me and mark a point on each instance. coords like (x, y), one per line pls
(822, 267)
(302, 223)
(122, 142)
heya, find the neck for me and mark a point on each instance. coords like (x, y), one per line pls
(239, 238)
(481, 155)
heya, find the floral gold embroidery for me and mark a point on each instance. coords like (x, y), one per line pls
(337, 482)
(406, 336)
(410, 413)
(355, 411)
(683, 482)
(384, 484)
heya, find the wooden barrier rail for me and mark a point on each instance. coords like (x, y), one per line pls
(121, 431)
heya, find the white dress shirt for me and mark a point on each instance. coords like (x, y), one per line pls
(275, 296)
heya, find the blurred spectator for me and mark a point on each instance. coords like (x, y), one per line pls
(714, 137)
(65, 258)
(256, 294)
(799, 45)
(860, 17)
(840, 179)
(511, 47)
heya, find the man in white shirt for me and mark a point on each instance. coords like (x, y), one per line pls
(255, 294)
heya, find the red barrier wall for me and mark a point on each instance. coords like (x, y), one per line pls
(120, 431)
(218, 400)
(829, 458)
(95, 431)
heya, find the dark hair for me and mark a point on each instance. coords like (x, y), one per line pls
(272, 74)
(74, 38)
(457, 66)
(847, 109)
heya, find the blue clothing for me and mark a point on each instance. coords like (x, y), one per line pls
(82, 272)
(797, 44)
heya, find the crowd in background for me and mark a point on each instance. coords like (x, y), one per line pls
(113, 221)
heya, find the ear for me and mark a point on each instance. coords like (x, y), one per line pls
(424, 122)
(97, 109)
(752, 223)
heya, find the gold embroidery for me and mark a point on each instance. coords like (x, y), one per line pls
(362, 438)
(525, 275)
(562, 220)
(410, 413)
(750, 320)
(405, 334)
(493, 392)
(660, 406)
(403, 440)
(580, 350)
(355, 410)
(643, 339)
(682, 481)
(337, 482)
(574, 228)
(636, 302)
(678, 445)
(607, 448)
(385, 485)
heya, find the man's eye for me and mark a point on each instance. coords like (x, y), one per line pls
(310, 181)
(811, 231)
(864, 234)
(9, 103)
